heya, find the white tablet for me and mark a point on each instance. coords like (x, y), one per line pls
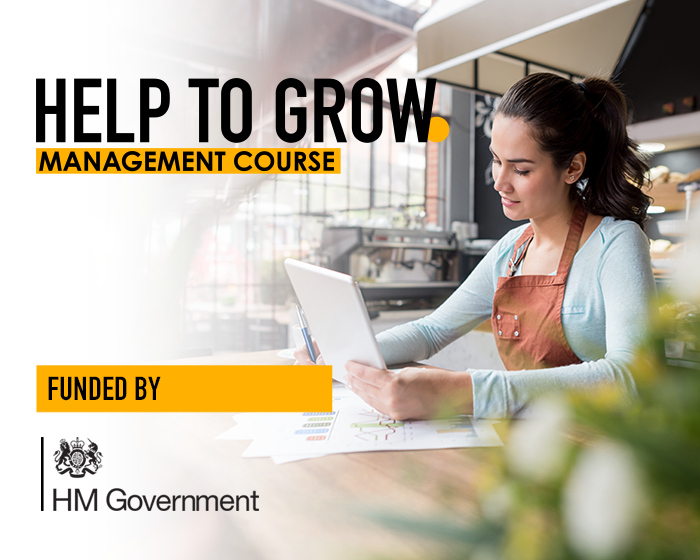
(337, 316)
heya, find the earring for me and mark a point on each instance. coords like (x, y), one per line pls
(573, 177)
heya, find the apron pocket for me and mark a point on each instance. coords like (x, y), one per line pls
(508, 325)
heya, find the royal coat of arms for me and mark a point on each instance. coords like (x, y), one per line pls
(77, 460)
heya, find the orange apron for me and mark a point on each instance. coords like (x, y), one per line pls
(526, 318)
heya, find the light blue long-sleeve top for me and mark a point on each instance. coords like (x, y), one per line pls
(605, 317)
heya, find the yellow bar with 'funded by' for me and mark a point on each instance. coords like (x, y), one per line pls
(183, 388)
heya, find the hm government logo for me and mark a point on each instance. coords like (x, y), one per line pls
(76, 460)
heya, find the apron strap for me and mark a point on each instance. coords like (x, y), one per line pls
(525, 239)
(578, 221)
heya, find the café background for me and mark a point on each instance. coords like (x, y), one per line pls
(111, 269)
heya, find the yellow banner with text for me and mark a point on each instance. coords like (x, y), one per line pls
(233, 160)
(183, 388)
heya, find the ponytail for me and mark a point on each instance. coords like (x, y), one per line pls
(591, 117)
(615, 171)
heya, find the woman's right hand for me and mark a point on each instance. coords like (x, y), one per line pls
(301, 355)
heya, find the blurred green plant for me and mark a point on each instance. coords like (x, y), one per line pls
(595, 477)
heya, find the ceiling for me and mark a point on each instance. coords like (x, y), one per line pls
(470, 42)
(269, 40)
(262, 42)
(648, 46)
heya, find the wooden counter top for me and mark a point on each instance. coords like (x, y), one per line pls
(325, 508)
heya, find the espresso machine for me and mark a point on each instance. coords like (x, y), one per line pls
(395, 268)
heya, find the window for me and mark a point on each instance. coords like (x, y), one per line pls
(237, 296)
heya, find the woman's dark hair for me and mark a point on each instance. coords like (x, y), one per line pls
(568, 118)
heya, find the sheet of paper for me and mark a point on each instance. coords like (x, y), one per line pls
(354, 426)
(249, 426)
(238, 432)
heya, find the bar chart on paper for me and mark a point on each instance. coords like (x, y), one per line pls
(354, 426)
(376, 426)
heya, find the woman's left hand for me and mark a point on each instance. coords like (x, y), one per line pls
(416, 393)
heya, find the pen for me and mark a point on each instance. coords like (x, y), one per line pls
(305, 333)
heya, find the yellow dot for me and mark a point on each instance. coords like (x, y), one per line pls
(439, 129)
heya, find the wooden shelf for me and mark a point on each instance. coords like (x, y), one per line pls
(667, 195)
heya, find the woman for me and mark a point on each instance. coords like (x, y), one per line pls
(568, 294)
